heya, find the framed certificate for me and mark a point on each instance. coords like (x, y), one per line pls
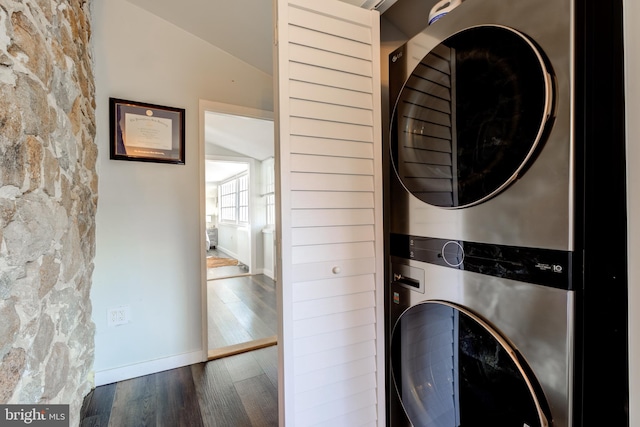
(146, 132)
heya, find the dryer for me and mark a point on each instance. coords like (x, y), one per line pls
(481, 127)
(490, 201)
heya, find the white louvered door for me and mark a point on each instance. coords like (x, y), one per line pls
(330, 207)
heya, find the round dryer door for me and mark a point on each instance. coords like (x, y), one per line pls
(470, 116)
(450, 368)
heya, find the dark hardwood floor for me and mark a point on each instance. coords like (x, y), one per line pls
(235, 391)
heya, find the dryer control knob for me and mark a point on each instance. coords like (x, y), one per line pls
(336, 270)
(453, 254)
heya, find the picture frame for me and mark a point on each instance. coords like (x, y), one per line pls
(146, 132)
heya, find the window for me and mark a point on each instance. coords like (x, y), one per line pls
(243, 198)
(234, 200)
(271, 209)
(269, 190)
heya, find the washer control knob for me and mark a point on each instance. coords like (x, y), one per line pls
(453, 254)
(336, 270)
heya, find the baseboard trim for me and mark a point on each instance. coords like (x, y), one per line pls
(269, 274)
(242, 347)
(110, 376)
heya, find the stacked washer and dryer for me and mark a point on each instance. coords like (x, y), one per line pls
(505, 147)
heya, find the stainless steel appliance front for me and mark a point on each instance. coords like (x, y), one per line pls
(458, 138)
(536, 322)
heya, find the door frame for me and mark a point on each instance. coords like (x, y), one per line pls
(236, 110)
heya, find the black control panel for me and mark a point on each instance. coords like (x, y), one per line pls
(532, 265)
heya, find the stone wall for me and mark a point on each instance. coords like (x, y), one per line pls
(48, 198)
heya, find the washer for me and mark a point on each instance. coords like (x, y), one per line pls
(497, 254)
(470, 348)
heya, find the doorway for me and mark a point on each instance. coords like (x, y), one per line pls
(238, 225)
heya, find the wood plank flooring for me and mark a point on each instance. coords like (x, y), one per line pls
(241, 309)
(235, 391)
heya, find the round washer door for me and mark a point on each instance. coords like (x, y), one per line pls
(450, 368)
(470, 116)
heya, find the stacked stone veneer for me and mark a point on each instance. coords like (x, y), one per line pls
(48, 197)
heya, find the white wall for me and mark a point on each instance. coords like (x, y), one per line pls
(149, 247)
(234, 241)
(632, 59)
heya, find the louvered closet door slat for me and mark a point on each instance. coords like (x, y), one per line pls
(329, 77)
(331, 112)
(336, 340)
(333, 182)
(328, 306)
(325, 235)
(344, 408)
(309, 291)
(330, 392)
(331, 147)
(331, 200)
(330, 42)
(340, 373)
(334, 252)
(307, 19)
(332, 130)
(329, 217)
(334, 61)
(332, 323)
(330, 95)
(331, 165)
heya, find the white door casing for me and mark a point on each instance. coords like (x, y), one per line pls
(329, 207)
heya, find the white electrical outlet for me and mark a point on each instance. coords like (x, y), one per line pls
(118, 316)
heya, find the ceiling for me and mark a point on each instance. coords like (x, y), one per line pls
(218, 171)
(242, 28)
(248, 136)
